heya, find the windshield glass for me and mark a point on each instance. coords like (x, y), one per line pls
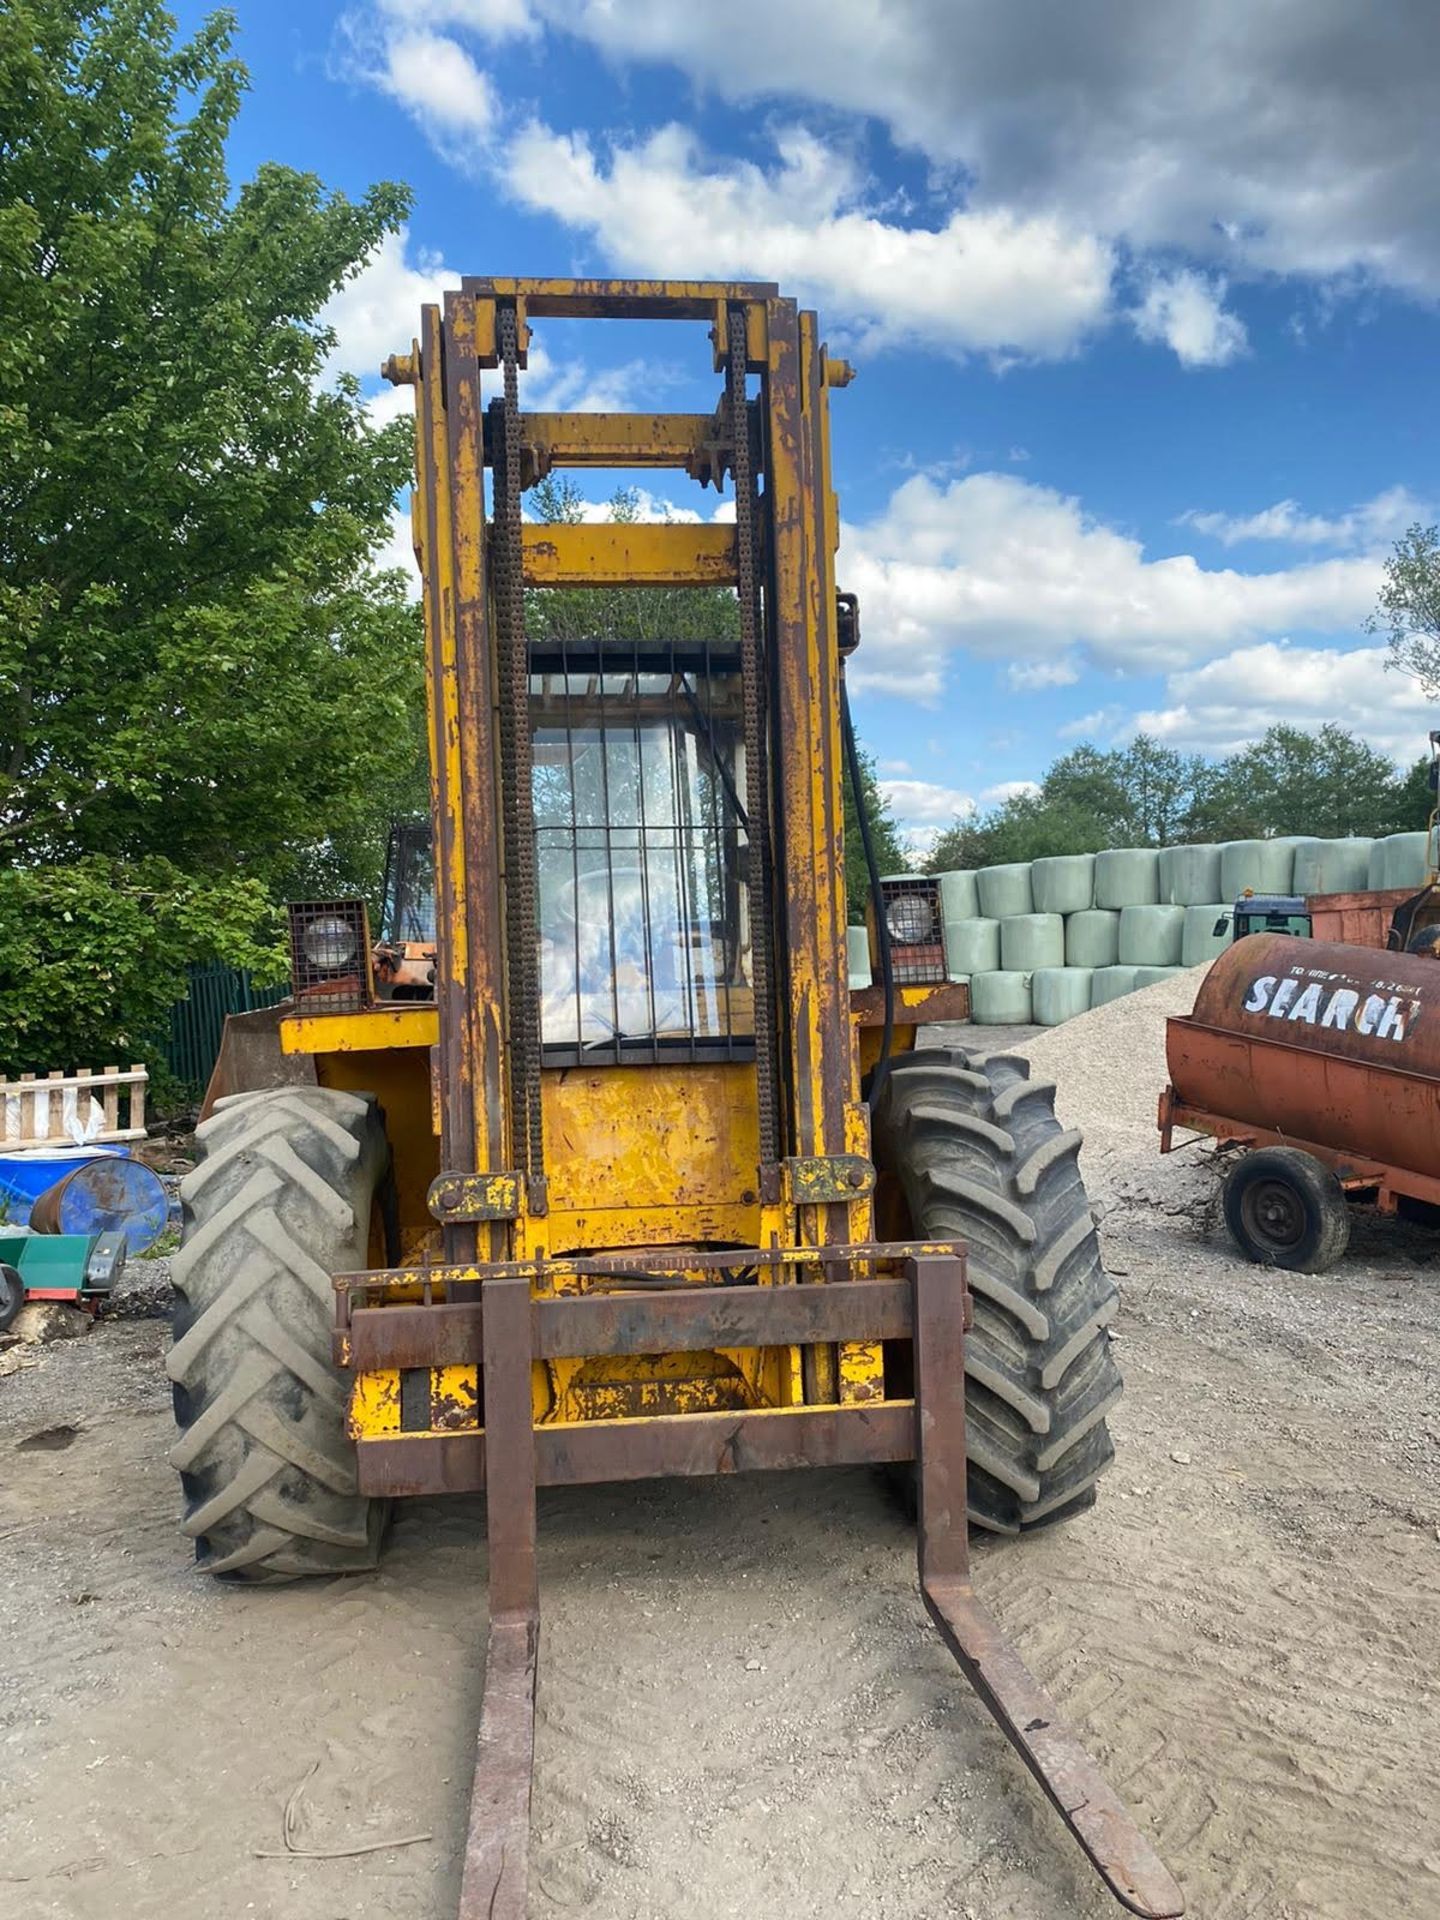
(640, 844)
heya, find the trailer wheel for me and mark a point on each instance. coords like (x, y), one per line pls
(1286, 1210)
(283, 1198)
(979, 1156)
(12, 1296)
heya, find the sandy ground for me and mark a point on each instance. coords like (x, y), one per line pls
(742, 1709)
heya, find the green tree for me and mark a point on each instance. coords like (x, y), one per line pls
(891, 853)
(195, 655)
(1407, 612)
(1325, 783)
(198, 661)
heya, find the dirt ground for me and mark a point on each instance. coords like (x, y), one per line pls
(742, 1708)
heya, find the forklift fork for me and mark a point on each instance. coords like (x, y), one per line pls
(495, 1878)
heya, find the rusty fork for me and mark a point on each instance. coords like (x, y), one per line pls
(495, 1879)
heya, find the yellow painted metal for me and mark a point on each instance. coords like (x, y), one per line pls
(630, 554)
(400, 1080)
(651, 1136)
(375, 1405)
(685, 440)
(373, 1032)
(656, 1154)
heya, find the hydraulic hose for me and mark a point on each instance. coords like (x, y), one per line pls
(877, 902)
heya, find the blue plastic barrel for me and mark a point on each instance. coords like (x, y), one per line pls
(106, 1196)
(25, 1176)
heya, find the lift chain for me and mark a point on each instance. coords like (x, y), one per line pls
(752, 693)
(517, 799)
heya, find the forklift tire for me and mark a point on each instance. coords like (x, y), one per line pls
(12, 1297)
(980, 1157)
(283, 1198)
(1286, 1210)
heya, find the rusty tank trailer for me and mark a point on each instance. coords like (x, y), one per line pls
(1324, 1061)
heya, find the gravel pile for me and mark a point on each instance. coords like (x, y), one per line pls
(1109, 1070)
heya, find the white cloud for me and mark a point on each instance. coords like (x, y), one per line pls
(1371, 524)
(1092, 726)
(992, 566)
(982, 281)
(377, 313)
(1030, 676)
(491, 19)
(434, 78)
(925, 803)
(1291, 137)
(1004, 790)
(398, 551)
(1227, 702)
(1185, 311)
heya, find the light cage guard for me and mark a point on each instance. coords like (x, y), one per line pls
(917, 930)
(330, 955)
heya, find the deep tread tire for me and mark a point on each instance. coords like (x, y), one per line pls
(280, 1202)
(980, 1157)
(1317, 1229)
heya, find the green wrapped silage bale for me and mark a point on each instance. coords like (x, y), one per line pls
(1331, 866)
(1264, 866)
(1147, 976)
(1092, 938)
(1005, 891)
(959, 895)
(1151, 936)
(1063, 883)
(1399, 860)
(857, 955)
(1189, 876)
(1057, 994)
(1201, 942)
(1000, 999)
(972, 946)
(1030, 940)
(1127, 877)
(1109, 983)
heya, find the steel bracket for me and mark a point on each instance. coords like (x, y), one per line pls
(820, 1179)
(474, 1196)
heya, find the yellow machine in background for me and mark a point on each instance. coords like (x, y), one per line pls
(642, 1190)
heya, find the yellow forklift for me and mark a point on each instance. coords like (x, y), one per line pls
(637, 1190)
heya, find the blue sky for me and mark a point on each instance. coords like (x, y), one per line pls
(1142, 297)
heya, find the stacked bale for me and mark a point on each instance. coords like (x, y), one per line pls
(1400, 860)
(857, 954)
(1109, 983)
(1127, 877)
(1059, 993)
(1092, 938)
(1331, 866)
(1264, 866)
(1001, 999)
(1030, 940)
(1188, 876)
(1065, 883)
(972, 946)
(1005, 891)
(1200, 940)
(1151, 936)
(1044, 939)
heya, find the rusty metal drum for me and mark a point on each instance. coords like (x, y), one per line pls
(1309, 1042)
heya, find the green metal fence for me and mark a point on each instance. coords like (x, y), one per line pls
(196, 1021)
